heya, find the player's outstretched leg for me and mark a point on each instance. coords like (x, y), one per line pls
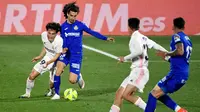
(60, 66)
(51, 90)
(76, 78)
(30, 84)
(117, 101)
(157, 93)
(129, 95)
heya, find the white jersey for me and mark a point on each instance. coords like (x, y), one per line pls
(138, 46)
(52, 48)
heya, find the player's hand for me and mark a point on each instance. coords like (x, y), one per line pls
(45, 64)
(36, 59)
(121, 59)
(111, 39)
(64, 50)
(161, 54)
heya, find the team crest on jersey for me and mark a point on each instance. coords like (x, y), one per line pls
(76, 27)
(144, 38)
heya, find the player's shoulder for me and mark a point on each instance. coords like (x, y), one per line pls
(176, 35)
(44, 35)
(141, 36)
(80, 23)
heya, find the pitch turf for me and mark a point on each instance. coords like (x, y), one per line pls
(102, 75)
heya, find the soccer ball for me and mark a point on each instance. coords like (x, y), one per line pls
(70, 94)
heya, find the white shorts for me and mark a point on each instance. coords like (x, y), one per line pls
(39, 66)
(138, 77)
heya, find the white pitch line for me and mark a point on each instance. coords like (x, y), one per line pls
(116, 58)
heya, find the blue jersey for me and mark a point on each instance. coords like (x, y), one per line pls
(179, 65)
(72, 36)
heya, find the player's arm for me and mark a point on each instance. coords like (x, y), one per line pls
(58, 50)
(96, 34)
(54, 58)
(179, 47)
(154, 45)
(178, 51)
(135, 50)
(42, 53)
(159, 48)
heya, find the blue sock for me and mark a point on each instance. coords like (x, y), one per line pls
(151, 104)
(165, 99)
(57, 84)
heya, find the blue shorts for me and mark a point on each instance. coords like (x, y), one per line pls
(172, 83)
(74, 63)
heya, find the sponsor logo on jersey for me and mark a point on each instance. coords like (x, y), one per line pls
(66, 28)
(50, 50)
(74, 34)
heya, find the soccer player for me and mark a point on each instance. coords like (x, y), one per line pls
(139, 75)
(71, 32)
(50, 52)
(181, 48)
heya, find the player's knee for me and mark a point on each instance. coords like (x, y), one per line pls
(72, 81)
(59, 71)
(31, 77)
(155, 93)
(60, 68)
(119, 93)
(73, 78)
(125, 96)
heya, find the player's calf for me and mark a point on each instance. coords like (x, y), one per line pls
(30, 84)
(117, 101)
(129, 95)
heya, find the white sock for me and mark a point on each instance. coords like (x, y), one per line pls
(140, 103)
(114, 108)
(177, 108)
(29, 85)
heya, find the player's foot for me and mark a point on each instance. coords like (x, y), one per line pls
(55, 97)
(81, 82)
(25, 96)
(182, 110)
(50, 92)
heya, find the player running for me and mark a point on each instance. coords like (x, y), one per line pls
(139, 75)
(72, 32)
(181, 49)
(51, 51)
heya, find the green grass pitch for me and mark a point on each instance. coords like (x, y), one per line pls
(102, 75)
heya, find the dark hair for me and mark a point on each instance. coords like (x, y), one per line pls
(70, 7)
(53, 26)
(179, 23)
(134, 23)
